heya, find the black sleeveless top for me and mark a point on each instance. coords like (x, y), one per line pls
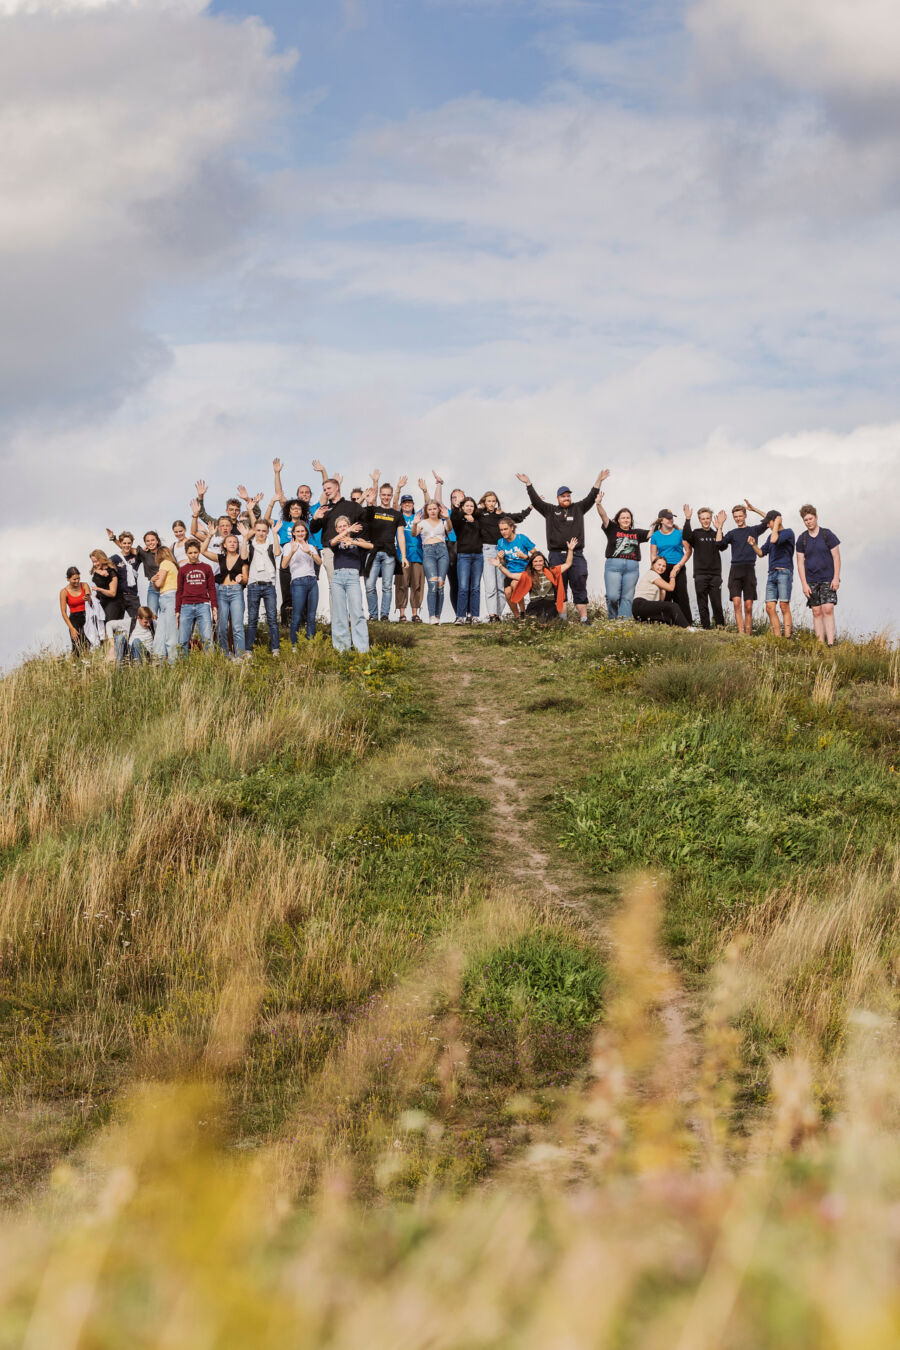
(230, 571)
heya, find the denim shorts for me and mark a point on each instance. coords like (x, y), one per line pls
(779, 585)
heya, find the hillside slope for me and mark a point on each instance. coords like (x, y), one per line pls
(318, 938)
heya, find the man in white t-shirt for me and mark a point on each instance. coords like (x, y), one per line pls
(263, 555)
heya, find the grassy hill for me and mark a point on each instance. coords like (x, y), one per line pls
(498, 988)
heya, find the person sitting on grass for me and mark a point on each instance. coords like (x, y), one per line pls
(779, 549)
(649, 606)
(819, 565)
(195, 599)
(513, 551)
(543, 584)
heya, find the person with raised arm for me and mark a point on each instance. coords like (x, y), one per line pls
(126, 564)
(409, 582)
(819, 565)
(431, 528)
(348, 620)
(542, 584)
(623, 558)
(707, 547)
(668, 542)
(262, 569)
(456, 497)
(488, 514)
(106, 583)
(469, 559)
(299, 561)
(649, 604)
(565, 520)
(303, 495)
(332, 505)
(779, 549)
(385, 529)
(742, 573)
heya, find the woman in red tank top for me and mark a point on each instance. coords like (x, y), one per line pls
(72, 601)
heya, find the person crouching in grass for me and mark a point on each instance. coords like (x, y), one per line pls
(513, 551)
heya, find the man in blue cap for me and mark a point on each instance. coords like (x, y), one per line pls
(565, 521)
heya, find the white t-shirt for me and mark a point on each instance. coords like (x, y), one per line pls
(647, 589)
(262, 568)
(301, 564)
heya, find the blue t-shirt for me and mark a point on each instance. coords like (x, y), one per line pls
(506, 552)
(817, 552)
(741, 552)
(668, 546)
(283, 531)
(413, 541)
(781, 553)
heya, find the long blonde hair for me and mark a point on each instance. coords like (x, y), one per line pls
(164, 554)
(483, 500)
(99, 559)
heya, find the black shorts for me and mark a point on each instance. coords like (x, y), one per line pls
(576, 577)
(821, 593)
(742, 582)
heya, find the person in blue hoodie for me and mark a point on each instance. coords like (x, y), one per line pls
(409, 580)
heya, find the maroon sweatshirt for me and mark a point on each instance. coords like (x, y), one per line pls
(196, 586)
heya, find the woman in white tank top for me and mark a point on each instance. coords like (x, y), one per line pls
(431, 527)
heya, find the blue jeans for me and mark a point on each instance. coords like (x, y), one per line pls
(153, 597)
(262, 591)
(435, 560)
(231, 606)
(494, 598)
(137, 652)
(165, 643)
(304, 603)
(384, 565)
(469, 567)
(201, 615)
(348, 622)
(779, 585)
(620, 577)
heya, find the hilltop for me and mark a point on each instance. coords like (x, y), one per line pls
(420, 984)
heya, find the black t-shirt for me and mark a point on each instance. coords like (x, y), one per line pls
(381, 525)
(624, 544)
(348, 557)
(352, 510)
(468, 532)
(113, 605)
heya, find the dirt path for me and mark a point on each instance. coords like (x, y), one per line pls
(493, 700)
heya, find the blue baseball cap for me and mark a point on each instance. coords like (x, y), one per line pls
(406, 498)
(560, 491)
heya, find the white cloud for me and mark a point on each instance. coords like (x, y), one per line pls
(11, 8)
(121, 131)
(837, 46)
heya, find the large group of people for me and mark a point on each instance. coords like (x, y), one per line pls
(379, 554)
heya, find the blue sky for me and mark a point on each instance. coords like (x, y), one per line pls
(476, 236)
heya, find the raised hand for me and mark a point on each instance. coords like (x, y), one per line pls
(523, 478)
(277, 465)
(195, 507)
(339, 478)
(242, 492)
(603, 475)
(600, 496)
(375, 475)
(200, 488)
(572, 544)
(423, 485)
(318, 466)
(720, 520)
(110, 535)
(255, 501)
(437, 477)
(402, 481)
(687, 511)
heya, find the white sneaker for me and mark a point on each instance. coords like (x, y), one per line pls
(435, 619)
(276, 652)
(690, 628)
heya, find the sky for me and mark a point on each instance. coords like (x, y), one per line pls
(476, 236)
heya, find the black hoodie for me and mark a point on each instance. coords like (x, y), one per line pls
(563, 522)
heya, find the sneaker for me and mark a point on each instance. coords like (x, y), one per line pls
(435, 619)
(460, 620)
(494, 618)
(586, 622)
(294, 649)
(690, 628)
